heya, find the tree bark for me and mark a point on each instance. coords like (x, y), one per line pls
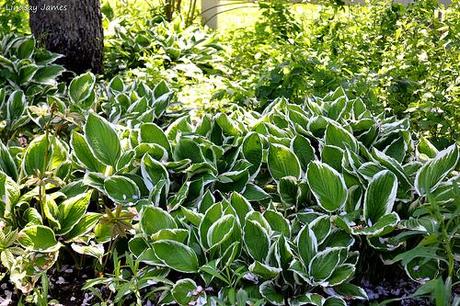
(72, 28)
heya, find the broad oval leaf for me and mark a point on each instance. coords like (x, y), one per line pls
(176, 256)
(152, 133)
(256, 240)
(122, 189)
(339, 137)
(283, 162)
(71, 211)
(34, 157)
(81, 87)
(380, 196)
(307, 245)
(102, 140)
(323, 264)
(433, 172)
(252, 151)
(83, 153)
(154, 219)
(38, 238)
(327, 185)
(183, 291)
(221, 230)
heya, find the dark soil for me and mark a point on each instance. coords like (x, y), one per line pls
(66, 287)
(401, 288)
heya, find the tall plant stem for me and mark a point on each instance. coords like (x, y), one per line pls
(443, 235)
(42, 174)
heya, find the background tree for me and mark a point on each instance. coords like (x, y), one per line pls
(72, 28)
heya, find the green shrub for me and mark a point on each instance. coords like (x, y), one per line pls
(13, 18)
(269, 207)
(401, 60)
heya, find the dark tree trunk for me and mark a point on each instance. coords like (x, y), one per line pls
(72, 28)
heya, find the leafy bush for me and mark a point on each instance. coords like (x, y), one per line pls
(269, 207)
(402, 60)
(13, 19)
(160, 49)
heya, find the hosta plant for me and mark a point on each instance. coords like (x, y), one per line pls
(271, 208)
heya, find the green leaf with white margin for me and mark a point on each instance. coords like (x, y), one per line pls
(350, 290)
(86, 224)
(384, 225)
(321, 227)
(26, 48)
(241, 206)
(16, 105)
(256, 240)
(81, 87)
(83, 153)
(334, 301)
(152, 133)
(304, 150)
(46, 75)
(7, 163)
(433, 172)
(211, 215)
(393, 165)
(288, 189)
(307, 299)
(221, 230)
(176, 256)
(282, 162)
(268, 291)
(179, 235)
(327, 185)
(264, 271)
(187, 148)
(154, 219)
(102, 139)
(277, 222)
(339, 137)
(10, 193)
(341, 274)
(26, 73)
(252, 150)
(121, 189)
(307, 245)
(179, 126)
(33, 160)
(227, 125)
(380, 196)
(152, 172)
(71, 211)
(38, 238)
(94, 250)
(324, 263)
(183, 291)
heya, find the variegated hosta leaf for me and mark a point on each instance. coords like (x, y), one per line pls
(380, 196)
(283, 162)
(102, 140)
(176, 255)
(434, 171)
(327, 185)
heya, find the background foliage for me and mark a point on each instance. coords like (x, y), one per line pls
(280, 163)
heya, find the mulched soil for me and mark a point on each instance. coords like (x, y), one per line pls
(395, 288)
(66, 284)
